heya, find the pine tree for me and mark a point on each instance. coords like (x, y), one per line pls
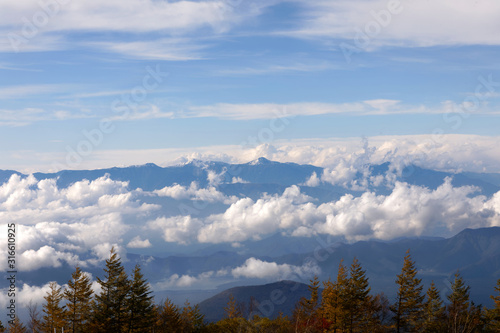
(168, 318)
(110, 312)
(2, 328)
(306, 313)
(493, 315)
(333, 300)
(54, 317)
(358, 300)
(35, 323)
(15, 326)
(380, 314)
(191, 317)
(433, 311)
(140, 305)
(232, 309)
(280, 324)
(408, 308)
(78, 296)
(463, 315)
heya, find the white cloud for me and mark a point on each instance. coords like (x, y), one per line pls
(26, 91)
(215, 179)
(255, 268)
(28, 201)
(358, 108)
(177, 281)
(126, 15)
(26, 294)
(103, 250)
(56, 226)
(451, 152)
(407, 211)
(180, 229)
(23, 117)
(246, 219)
(279, 68)
(239, 180)
(35, 294)
(351, 19)
(174, 22)
(340, 174)
(174, 49)
(138, 243)
(193, 192)
(46, 256)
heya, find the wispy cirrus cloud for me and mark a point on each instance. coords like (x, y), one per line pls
(29, 90)
(385, 23)
(361, 108)
(27, 116)
(12, 67)
(278, 68)
(169, 25)
(171, 49)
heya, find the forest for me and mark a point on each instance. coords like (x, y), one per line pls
(346, 304)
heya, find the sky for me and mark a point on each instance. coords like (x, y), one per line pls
(92, 84)
(340, 84)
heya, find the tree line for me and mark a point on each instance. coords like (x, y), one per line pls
(125, 304)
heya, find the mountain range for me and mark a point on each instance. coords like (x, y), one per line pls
(206, 271)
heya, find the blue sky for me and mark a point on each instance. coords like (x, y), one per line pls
(231, 69)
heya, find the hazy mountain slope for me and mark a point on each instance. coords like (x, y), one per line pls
(267, 300)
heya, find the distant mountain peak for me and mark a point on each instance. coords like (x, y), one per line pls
(147, 165)
(261, 161)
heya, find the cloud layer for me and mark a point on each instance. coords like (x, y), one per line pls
(371, 24)
(78, 224)
(56, 226)
(407, 211)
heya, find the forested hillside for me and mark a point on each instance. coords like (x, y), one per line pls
(345, 303)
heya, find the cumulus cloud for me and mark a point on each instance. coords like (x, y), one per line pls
(255, 268)
(449, 152)
(69, 225)
(313, 181)
(28, 201)
(180, 229)
(103, 251)
(193, 192)
(26, 294)
(138, 243)
(247, 218)
(408, 210)
(183, 281)
(239, 180)
(80, 223)
(46, 256)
